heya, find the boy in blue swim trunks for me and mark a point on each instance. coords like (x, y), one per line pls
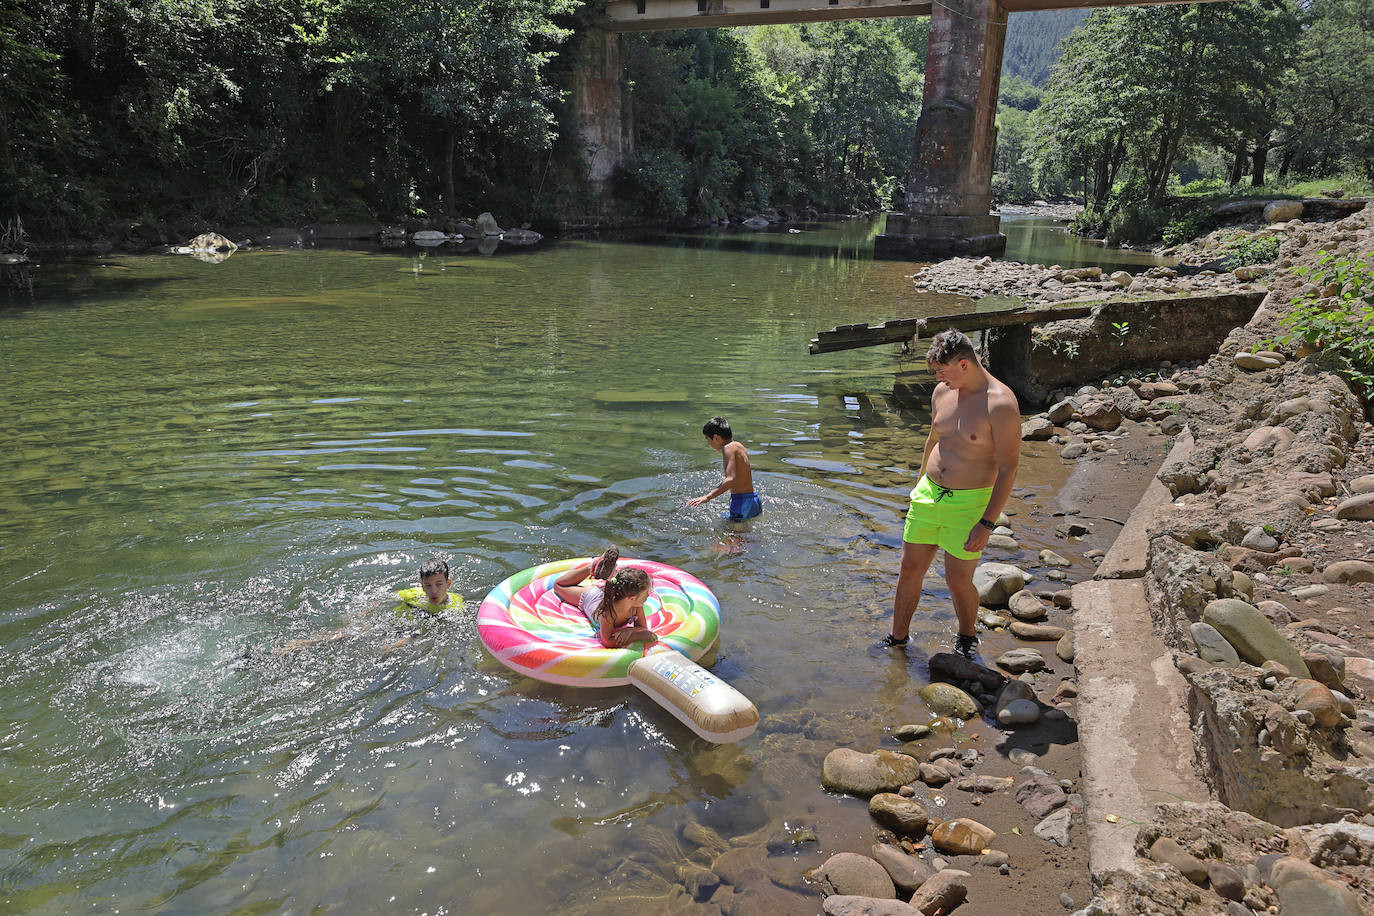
(738, 479)
(967, 470)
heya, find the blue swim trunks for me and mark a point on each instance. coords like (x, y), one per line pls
(744, 505)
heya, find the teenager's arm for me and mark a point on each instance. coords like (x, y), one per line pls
(1006, 448)
(731, 459)
(931, 438)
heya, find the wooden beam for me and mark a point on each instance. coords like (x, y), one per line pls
(854, 336)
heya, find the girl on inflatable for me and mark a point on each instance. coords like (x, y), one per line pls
(612, 601)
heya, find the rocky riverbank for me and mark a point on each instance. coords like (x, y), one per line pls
(1260, 582)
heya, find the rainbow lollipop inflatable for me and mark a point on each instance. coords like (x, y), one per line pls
(529, 629)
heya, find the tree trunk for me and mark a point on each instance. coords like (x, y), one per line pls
(1237, 164)
(1260, 159)
(450, 145)
(1285, 163)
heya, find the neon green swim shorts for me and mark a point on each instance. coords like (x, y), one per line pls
(944, 517)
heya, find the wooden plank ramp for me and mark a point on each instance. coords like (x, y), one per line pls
(853, 336)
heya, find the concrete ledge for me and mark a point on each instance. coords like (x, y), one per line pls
(1129, 557)
(1133, 725)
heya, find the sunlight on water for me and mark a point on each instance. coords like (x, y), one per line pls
(216, 475)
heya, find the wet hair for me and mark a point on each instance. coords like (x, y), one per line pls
(717, 426)
(949, 347)
(432, 566)
(628, 580)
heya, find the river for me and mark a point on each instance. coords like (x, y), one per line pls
(203, 462)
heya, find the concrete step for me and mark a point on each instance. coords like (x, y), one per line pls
(1137, 747)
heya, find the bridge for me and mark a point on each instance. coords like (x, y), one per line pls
(948, 187)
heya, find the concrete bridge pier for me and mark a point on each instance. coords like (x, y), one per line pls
(949, 188)
(599, 106)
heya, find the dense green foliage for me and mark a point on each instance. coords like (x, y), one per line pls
(262, 109)
(1146, 98)
(1339, 316)
(1032, 44)
(776, 116)
(266, 111)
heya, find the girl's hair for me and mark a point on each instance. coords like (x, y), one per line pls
(628, 580)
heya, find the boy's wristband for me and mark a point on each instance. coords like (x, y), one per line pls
(991, 526)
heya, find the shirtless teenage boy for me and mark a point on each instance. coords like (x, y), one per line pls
(967, 470)
(738, 479)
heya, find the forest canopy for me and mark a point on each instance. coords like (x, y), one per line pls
(139, 112)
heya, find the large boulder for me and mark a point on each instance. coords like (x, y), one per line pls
(487, 225)
(904, 815)
(1252, 635)
(948, 700)
(852, 874)
(865, 775)
(1281, 211)
(997, 582)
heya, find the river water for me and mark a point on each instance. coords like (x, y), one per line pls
(204, 462)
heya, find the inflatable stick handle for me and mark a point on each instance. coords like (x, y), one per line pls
(700, 700)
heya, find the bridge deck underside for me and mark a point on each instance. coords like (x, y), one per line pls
(661, 15)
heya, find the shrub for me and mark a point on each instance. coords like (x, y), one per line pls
(1252, 249)
(1187, 227)
(1135, 221)
(1343, 323)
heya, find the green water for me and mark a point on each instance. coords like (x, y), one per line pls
(203, 462)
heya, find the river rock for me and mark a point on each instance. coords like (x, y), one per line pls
(1037, 632)
(1041, 793)
(1227, 882)
(1280, 437)
(1259, 539)
(1101, 415)
(962, 836)
(1019, 661)
(1129, 403)
(1212, 646)
(465, 229)
(1361, 485)
(487, 225)
(1037, 429)
(1121, 278)
(1048, 557)
(1254, 362)
(1252, 635)
(910, 732)
(1281, 211)
(1346, 572)
(851, 873)
(211, 241)
(932, 774)
(953, 668)
(1169, 852)
(983, 785)
(1326, 665)
(901, 814)
(997, 582)
(1309, 897)
(1313, 696)
(1303, 592)
(1002, 542)
(520, 236)
(1015, 689)
(948, 700)
(755, 222)
(945, 890)
(851, 905)
(1073, 450)
(428, 236)
(1062, 412)
(907, 872)
(1025, 606)
(1019, 712)
(1055, 828)
(855, 773)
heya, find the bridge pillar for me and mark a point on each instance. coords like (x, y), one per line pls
(949, 187)
(601, 114)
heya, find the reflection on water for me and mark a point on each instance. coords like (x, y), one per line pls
(205, 462)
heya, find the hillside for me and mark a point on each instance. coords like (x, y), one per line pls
(1033, 42)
